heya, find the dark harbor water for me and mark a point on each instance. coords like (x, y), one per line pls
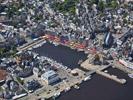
(61, 54)
(98, 88)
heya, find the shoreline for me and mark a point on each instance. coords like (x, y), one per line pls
(72, 85)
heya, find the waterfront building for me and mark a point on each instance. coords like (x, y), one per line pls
(50, 77)
(32, 85)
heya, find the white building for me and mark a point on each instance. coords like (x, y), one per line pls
(50, 77)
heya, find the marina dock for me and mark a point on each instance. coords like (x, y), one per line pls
(31, 44)
(112, 77)
(99, 70)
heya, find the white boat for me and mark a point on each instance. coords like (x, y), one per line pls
(55, 43)
(80, 50)
(80, 61)
(30, 91)
(29, 48)
(86, 52)
(130, 75)
(87, 78)
(76, 87)
(50, 41)
(105, 71)
(36, 46)
(19, 52)
(67, 89)
(35, 39)
(57, 94)
(19, 96)
(44, 42)
(40, 44)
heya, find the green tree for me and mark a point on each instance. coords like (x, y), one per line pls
(2, 50)
(68, 6)
(93, 1)
(20, 80)
(101, 5)
(114, 4)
